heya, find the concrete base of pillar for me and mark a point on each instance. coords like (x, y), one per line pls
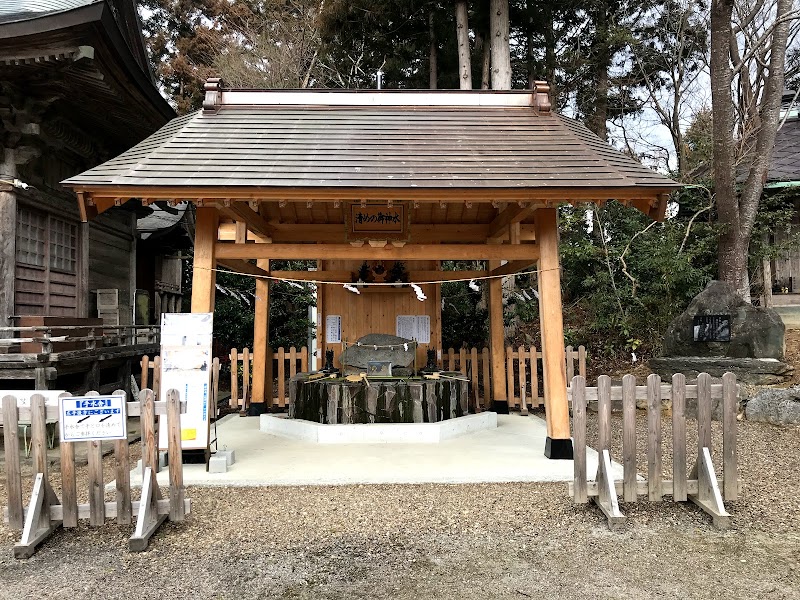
(500, 407)
(557, 449)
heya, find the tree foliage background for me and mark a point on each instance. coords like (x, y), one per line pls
(636, 73)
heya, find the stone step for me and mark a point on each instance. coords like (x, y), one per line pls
(790, 316)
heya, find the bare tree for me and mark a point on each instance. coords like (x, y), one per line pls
(670, 56)
(748, 49)
(462, 35)
(275, 48)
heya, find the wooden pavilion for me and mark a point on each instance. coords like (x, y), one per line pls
(473, 175)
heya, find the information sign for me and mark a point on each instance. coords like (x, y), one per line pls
(186, 367)
(88, 418)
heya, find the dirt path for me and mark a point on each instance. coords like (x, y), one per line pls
(439, 541)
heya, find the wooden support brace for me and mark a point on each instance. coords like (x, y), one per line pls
(38, 525)
(708, 496)
(149, 519)
(607, 497)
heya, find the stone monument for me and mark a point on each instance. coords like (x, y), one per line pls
(721, 332)
(380, 347)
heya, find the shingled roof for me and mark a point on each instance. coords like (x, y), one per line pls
(411, 140)
(785, 163)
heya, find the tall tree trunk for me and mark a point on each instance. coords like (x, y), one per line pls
(737, 215)
(462, 34)
(731, 259)
(550, 52)
(501, 53)
(483, 46)
(597, 120)
(433, 60)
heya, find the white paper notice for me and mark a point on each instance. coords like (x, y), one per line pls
(423, 329)
(186, 367)
(333, 329)
(414, 327)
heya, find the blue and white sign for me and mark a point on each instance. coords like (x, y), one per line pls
(90, 418)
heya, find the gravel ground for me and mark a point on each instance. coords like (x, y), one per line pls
(440, 541)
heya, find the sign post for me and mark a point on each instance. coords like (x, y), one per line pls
(186, 367)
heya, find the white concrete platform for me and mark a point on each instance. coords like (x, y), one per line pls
(513, 451)
(377, 433)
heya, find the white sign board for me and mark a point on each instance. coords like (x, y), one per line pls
(88, 418)
(186, 367)
(333, 329)
(414, 327)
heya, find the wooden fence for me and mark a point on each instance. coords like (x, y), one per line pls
(701, 486)
(523, 381)
(45, 512)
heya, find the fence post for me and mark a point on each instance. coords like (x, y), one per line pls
(145, 377)
(578, 386)
(653, 437)
(535, 401)
(451, 359)
(304, 359)
(510, 376)
(292, 362)
(97, 491)
(123, 479)
(570, 358)
(582, 360)
(176, 489)
(234, 402)
(703, 412)
(13, 477)
(603, 412)
(487, 380)
(679, 493)
(281, 377)
(629, 438)
(473, 372)
(245, 379)
(730, 475)
(523, 404)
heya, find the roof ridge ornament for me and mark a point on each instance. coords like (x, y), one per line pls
(213, 98)
(541, 97)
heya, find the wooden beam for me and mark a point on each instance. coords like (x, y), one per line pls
(407, 252)
(203, 274)
(551, 323)
(241, 212)
(512, 214)
(242, 266)
(421, 233)
(551, 195)
(512, 267)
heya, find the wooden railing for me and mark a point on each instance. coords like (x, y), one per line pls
(523, 383)
(88, 338)
(46, 511)
(701, 486)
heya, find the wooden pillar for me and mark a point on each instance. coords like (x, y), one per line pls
(204, 277)
(496, 338)
(8, 239)
(559, 443)
(321, 347)
(262, 387)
